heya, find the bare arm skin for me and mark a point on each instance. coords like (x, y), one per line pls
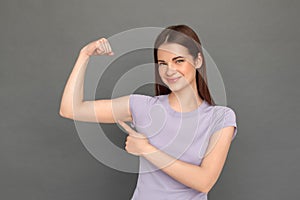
(199, 177)
(102, 111)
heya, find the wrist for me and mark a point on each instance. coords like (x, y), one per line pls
(83, 53)
(148, 149)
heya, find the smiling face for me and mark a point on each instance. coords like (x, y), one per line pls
(177, 67)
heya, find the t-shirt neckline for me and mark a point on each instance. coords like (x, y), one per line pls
(183, 114)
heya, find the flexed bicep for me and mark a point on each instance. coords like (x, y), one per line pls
(112, 110)
(103, 111)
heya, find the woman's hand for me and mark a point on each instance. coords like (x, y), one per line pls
(98, 47)
(136, 143)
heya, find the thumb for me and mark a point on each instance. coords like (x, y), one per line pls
(138, 135)
(127, 129)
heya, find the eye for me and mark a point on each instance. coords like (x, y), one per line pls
(161, 64)
(179, 61)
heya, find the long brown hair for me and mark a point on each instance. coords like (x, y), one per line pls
(185, 36)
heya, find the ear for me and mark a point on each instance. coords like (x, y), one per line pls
(199, 61)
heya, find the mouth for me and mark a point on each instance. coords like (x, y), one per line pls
(173, 80)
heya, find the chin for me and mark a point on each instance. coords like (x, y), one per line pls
(175, 88)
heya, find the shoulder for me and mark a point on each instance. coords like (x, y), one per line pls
(143, 99)
(143, 103)
(222, 111)
(223, 116)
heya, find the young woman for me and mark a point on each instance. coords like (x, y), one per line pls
(182, 137)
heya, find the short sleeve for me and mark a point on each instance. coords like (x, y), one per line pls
(224, 117)
(138, 105)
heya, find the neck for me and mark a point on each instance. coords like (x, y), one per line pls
(185, 100)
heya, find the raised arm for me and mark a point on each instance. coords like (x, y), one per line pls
(102, 111)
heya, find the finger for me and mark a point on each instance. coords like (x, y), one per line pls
(98, 44)
(104, 45)
(130, 131)
(139, 135)
(126, 127)
(99, 51)
(108, 46)
(109, 51)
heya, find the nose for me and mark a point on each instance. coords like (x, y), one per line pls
(170, 70)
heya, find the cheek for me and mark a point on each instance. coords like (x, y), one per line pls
(160, 71)
(186, 70)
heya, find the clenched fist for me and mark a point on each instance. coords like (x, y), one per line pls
(98, 47)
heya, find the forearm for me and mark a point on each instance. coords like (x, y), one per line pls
(193, 176)
(72, 97)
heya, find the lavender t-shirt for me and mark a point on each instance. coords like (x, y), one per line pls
(182, 135)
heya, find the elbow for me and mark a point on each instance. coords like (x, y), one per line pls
(61, 113)
(65, 111)
(204, 189)
(64, 114)
(206, 185)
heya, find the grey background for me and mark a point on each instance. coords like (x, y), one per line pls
(254, 43)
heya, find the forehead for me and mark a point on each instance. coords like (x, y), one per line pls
(172, 49)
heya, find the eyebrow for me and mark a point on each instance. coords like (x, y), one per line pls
(172, 59)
